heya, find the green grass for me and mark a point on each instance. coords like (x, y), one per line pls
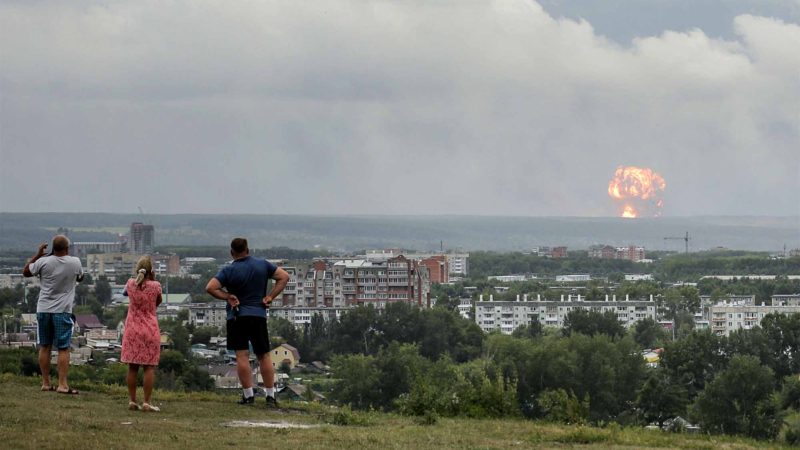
(98, 418)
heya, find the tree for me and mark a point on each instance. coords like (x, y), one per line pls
(660, 399)
(783, 337)
(694, 360)
(447, 302)
(183, 315)
(178, 333)
(172, 361)
(561, 406)
(195, 379)
(102, 290)
(532, 331)
(358, 381)
(647, 332)
(399, 365)
(203, 335)
(789, 397)
(739, 401)
(355, 332)
(591, 323)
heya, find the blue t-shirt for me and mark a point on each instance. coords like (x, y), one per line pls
(247, 279)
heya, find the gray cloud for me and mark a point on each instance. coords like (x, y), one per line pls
(387, 107)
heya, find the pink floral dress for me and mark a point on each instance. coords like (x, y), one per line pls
(141, 343)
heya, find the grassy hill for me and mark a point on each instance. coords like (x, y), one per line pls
(98, 418)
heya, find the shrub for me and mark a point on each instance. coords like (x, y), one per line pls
(791, 430)
(561, 406)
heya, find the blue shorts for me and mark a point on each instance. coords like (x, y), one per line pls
(55, 329)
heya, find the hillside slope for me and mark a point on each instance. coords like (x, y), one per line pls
(98, 418)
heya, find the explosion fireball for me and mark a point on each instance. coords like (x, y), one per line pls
(637, 191)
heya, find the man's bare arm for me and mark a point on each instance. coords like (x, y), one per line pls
(26, 271)
(281, 277)
(214, 288)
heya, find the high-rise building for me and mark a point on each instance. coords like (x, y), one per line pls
(438, 268)
(141, 239)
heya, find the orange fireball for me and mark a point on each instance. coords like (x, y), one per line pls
(629, 212)
(638, 190)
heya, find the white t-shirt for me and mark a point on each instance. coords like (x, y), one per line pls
(58, 275)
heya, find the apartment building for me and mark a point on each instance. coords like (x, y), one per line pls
(142, 238)
(787, 300)
(438, 268)
(113, 264)
(638, 277)
(81, 249)
(631, 253)
(707, 301)
(300, 316)
(573, 277)
(726, 317)
(354, 282)
(506, 316)
(457, 262)
(207, 314)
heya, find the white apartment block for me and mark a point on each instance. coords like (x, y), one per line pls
(300, 316)
(706, 300)
(464, 307)
(726, 317)
(508, 278)
(638, 277)
(207, 314)
(786, 300)
(573, 277)
(506, 316)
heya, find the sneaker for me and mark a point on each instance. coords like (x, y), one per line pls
(246, 400)
(271, 402)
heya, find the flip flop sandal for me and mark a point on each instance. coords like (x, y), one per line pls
(149, 407)
(69, 391)
(133, 406)
(48, 388)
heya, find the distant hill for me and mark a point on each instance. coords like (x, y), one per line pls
(350, 233)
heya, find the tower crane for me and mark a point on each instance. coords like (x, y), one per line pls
(685, 239)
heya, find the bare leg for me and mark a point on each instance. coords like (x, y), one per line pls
(63, 369)
(267, 371)
(149, 378)
(133, 372)
(243, 368)
(44, 364)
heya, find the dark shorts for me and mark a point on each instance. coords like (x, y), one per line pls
(244, 331)
(55, 329)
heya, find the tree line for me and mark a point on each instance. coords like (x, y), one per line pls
(424, 362)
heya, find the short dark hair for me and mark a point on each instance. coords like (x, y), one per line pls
(239, 245)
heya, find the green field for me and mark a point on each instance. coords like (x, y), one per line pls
(98, 418)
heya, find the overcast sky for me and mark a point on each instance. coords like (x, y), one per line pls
(335, 107)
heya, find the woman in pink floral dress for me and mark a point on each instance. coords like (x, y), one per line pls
(141, 343)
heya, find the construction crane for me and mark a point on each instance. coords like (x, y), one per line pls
(685, 239)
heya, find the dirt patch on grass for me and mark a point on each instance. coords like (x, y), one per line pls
(266, 424)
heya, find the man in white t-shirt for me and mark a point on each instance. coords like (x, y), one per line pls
(58, 272)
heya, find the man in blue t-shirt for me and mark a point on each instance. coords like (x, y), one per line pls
(245, 282)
